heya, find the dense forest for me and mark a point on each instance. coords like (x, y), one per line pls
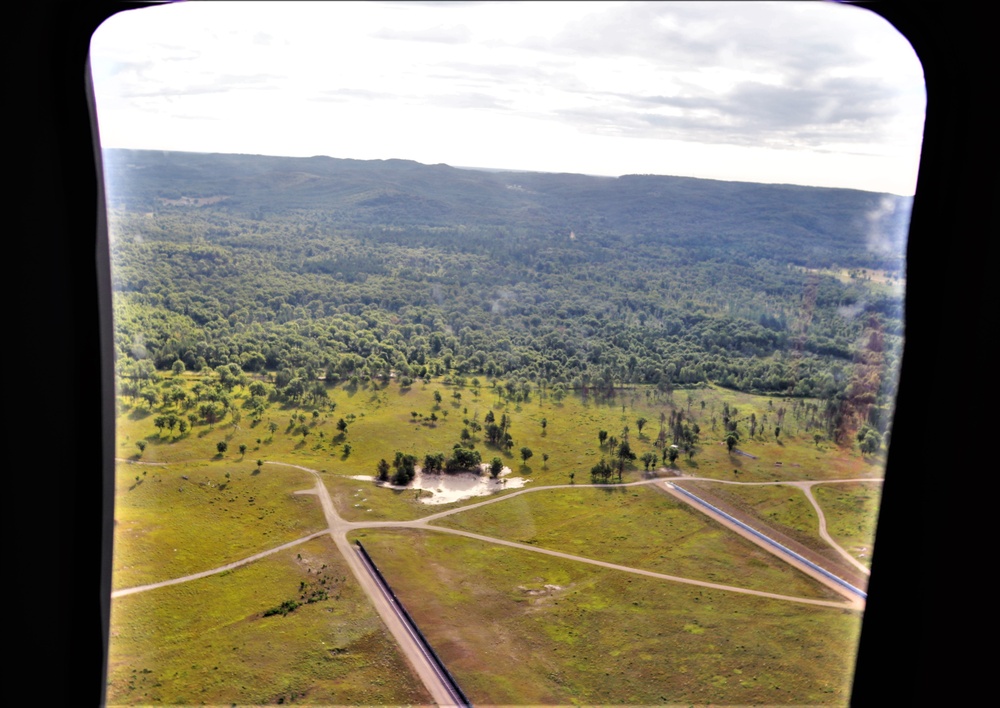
(316, 270)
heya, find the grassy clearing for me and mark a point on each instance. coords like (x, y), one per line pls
(381, 421)
(785, 508)
(520, 628)
(851, 512)
(637, 527)
(167, 526)
(208, 641)
(600, 637)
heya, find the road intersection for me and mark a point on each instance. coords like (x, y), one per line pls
(338, 528)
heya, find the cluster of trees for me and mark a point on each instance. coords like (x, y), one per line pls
(498, 433)
(621, 455)
(459, 460)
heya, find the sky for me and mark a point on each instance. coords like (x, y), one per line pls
(811, 93)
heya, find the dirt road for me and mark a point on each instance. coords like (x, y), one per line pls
(338, 529)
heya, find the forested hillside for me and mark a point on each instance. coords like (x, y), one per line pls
(322, 269)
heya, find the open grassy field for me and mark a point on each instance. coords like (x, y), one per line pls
(380, 421)
(513, 626)
(208, 641)
(851, 512)
(167, 526)
(520, 628)
(637, 527)
(783, 507)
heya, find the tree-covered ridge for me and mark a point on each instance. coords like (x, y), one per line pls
(312, 293)
(809, 226)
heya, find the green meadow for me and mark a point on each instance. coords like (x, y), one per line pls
(851, 512)
(637, 527)
(516, 627)
(180, 519)
(208, 641)
(382, 418)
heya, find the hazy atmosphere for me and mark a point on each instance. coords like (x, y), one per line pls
(802, 93)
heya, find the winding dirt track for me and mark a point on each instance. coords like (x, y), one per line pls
(338, 529)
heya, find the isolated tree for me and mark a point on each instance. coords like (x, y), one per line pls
(496, 467)
(382, 470)
(243, 450)
(347, 449)
(602, 435)
(640, 423)
(526, 453)
(272, 426)
(777, 430)
(342, 426)
(731, 441)
(545, 458)
(673, 453)
(178, 368)
(544, 423)
(260, 463)
(625, 455)
(142, 447)
(221, 446)
(816, 438)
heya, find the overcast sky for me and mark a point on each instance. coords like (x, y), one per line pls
(807, 93)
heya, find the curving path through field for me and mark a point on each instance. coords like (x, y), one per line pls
(806, 487)
(338, 529)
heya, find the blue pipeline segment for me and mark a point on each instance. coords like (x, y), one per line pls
(771, 542)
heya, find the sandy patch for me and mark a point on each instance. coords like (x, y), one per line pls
(448, 488)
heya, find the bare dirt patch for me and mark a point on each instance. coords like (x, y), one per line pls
(458, 486)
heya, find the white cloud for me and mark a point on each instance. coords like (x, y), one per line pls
(808, 93)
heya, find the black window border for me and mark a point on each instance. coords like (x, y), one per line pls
(911, 641)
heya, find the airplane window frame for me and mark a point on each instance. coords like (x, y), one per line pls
(55, 55)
